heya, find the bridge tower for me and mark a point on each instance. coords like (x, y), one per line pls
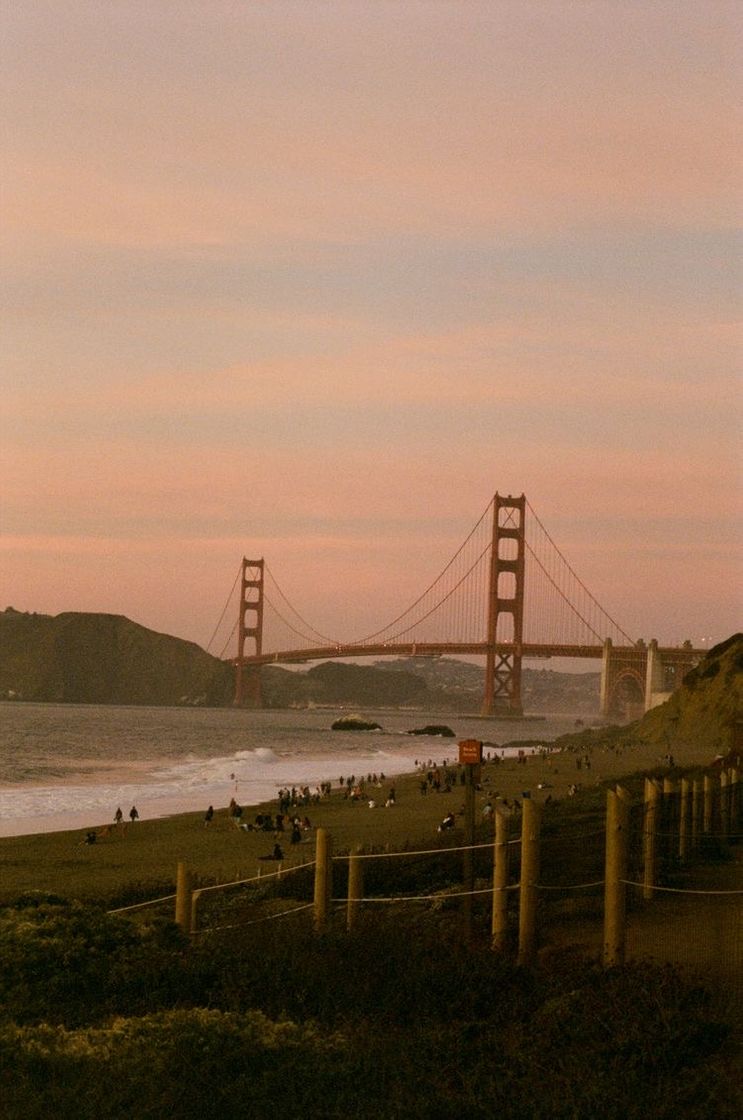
(505, 607)
(248, 684)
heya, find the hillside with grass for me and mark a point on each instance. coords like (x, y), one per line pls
(708, 708)
(703, 718)
(104, 659)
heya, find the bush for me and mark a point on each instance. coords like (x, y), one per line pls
(68, 963)
(399, 1020)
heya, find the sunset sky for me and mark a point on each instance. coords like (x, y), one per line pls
(313, 280)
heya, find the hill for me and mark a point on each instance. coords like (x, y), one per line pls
(455, 685)
(704, 717)
(708, 708)
(104, 659)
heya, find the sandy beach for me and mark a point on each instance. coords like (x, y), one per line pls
(148, 851)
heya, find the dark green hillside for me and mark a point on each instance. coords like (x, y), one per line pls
(707, 708)
(104, 659)
(704, 716)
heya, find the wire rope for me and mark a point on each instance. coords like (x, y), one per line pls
(232, 634)
(577, 578)
(442, 573)
(307, 637)
(224, 611)
(310, 627)
(564, 596)
(441, 602)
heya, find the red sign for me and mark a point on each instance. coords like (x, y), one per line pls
(470, 751)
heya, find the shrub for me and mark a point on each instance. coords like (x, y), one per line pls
(69, 963)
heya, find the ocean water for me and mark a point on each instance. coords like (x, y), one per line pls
(65, 766)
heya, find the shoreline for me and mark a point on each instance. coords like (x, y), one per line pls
(134, 862)
(167, 806)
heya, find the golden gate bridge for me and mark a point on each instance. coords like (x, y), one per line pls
(508, 594)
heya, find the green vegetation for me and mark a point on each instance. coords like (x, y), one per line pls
(104, 659)
(702, 718)
(102, 1017)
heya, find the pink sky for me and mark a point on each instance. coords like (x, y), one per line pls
(311, 281)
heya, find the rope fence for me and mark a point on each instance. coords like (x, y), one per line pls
(664, 846)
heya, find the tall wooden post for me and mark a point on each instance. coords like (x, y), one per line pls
(684, 804)
(615, 890)
(696, 811)
(499, 928)
(355, 888)
(649, 837)
(708, 805)
(668, 818)
(530, 827)
(183, 898)
(724, 804)
(470, 756)
(735, 799)
(323, 879)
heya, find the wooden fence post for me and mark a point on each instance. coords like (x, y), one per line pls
(735, 799)
(696, 809)
(323, 879)
(724, 804)
(499, 927)
(355, 888)
(684, 820)
(615, 889)
(707, 806)
(668, 818)
(183, 898)
(649, 844)
(530, 825)
(195, 898)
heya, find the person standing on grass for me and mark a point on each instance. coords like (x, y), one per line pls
(133, 814)
(118, 815)
(208, 815)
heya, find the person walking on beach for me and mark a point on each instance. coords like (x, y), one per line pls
(133, 814)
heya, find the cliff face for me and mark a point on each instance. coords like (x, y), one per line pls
(708, 708)
(702, 719)
(104, 659)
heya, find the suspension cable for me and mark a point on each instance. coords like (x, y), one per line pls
(232, 634)
(448, 595)
(408, 610)
(310, 627)
(224, 612)
(563, 595)
(311, 637)
(577, 577)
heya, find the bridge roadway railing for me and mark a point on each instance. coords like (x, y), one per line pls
(536, 650)
(422, 649)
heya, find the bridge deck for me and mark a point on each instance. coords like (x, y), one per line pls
(437, 649)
